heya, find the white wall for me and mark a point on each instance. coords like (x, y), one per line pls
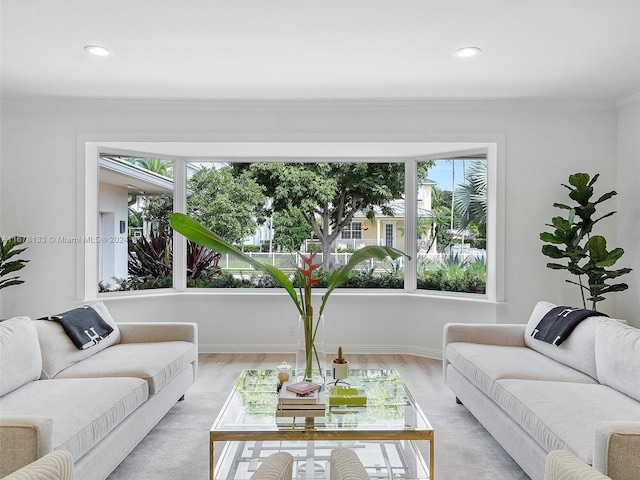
(544, 144)
(629, 208)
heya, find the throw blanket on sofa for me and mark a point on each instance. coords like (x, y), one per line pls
(84, 326)
(559, 322)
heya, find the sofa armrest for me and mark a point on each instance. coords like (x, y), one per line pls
(507, 334)
(146, 332)
(345, 465)
(616, 449)
(491, 334)
(23, 439)
(277, 466)
(56, 465)
(561, 465)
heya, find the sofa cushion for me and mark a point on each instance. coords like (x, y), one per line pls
(485, 364)
(562, 415)
(20, 358)
(156, 362)
(618, 357)
(83, 411)
(577, 351)
(59, 352)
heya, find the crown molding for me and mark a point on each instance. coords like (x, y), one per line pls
(319, 105)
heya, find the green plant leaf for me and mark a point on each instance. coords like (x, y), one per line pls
(612, 257)
(606, 196)
(556, 266)
(551, 238)
(593, 180)
(13, 266)
(562, 205)
(553, 251)
(9, 282)
(580, 180)
(561, 223)
(197, 233)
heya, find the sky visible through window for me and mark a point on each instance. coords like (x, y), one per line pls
(441, 173)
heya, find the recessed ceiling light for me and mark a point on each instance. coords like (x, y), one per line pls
(98, 50)
(467, 52)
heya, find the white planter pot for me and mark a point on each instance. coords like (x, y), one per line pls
(340, 370)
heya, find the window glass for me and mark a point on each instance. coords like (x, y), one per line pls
(279, 210)
(353, 231)
(275, 211)
(451, 226)
(135, 245)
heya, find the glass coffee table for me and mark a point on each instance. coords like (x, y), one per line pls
(385, 433)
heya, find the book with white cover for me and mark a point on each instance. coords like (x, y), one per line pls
(294, 412)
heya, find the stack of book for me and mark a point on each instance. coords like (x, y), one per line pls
(301, 399)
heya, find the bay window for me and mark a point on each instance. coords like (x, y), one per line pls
(437, 208)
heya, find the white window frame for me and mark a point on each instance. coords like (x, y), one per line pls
(351, 230)
(185, 149)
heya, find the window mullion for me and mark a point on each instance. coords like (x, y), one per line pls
(179, 241)
(410, 224)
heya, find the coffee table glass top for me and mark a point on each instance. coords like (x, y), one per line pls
(390, 408)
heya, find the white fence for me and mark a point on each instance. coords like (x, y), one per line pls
(288, 261)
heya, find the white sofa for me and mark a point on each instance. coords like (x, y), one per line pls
(582, 396)
(98, 403)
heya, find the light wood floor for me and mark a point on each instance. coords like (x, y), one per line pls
(217, 372)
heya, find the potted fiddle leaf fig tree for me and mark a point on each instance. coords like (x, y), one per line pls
(586, 254)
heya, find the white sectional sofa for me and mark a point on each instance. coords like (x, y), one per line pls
(582, 396)
(98, 403)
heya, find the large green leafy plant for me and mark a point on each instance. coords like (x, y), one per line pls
(305, 278)
(572, 240)
(9, 250)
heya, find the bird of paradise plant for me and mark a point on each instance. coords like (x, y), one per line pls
(305, 280)
(199, 234)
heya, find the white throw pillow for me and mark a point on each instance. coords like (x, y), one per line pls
(59, 352)
(20, 359)
(618, 357)
(577, 351)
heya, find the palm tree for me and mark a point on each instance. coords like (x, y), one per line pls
(156, 165)
(471, 198)
(441, 219)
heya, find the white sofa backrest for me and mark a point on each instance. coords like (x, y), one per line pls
(20, 359)
(618, 357)
(59, 352)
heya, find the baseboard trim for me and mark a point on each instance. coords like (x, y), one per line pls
(352, 349)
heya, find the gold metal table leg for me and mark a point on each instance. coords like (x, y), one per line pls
(211, 459)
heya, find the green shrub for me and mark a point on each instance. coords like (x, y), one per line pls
(248, 248)
(453, 276)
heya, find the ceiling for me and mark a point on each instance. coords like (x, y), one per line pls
(321, 49)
